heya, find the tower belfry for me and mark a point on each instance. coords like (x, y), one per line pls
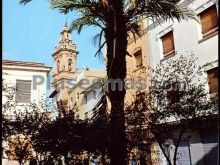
(64, 61)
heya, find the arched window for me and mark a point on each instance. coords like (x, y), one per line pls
(69, 64)
(138, 58)
(58, 66)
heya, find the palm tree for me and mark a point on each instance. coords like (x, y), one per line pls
(116, 19)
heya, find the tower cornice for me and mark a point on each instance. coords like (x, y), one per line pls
(65, 49)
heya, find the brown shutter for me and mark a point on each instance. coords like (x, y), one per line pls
(209, 19)
(213, 80)
(168, 43)
(23, 91)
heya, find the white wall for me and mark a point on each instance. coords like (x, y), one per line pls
(92, 98)
(187, 35)
(195, 149)
(187, 38)
(36, 94)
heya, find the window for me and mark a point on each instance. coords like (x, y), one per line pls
(58, 66)
(86, 115)
(138, 59)
(94, 94)
(23, 91)
(85, 99)
(173, 93)
(168, 44)
(69, 64)
(213, 80)
(209, 20)
(77, 96)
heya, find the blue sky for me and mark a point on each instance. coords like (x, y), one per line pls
(31, 32)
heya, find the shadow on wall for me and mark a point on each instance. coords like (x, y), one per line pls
(210, 158)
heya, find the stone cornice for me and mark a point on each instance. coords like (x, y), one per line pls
(27, 68)
(64, 49)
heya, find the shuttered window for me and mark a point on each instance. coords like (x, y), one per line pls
(209, 20)
(23, 91)
(213, 80)
(138, 58)
(168, 44)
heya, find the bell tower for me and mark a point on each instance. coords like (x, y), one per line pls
(64, 63)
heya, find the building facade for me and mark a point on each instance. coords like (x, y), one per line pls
(29, 83)
(85, 93)
(170, 40)
(137, 63)
(29, 78)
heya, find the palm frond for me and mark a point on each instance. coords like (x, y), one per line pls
(95, 39)
(99, 52)
(98, 38)
(24, 2)
(159, 9)
(134, 28)
(79, 23)
(69, 5)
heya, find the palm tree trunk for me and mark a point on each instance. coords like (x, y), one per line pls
(116, 71)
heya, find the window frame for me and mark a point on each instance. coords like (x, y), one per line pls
(173, 89)
(17, 98)
(70, 61)
(212, 94)
(138, 58)
(86, 115)
(58, 66)
(212, 31)
(169, 53)
(85, 99)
